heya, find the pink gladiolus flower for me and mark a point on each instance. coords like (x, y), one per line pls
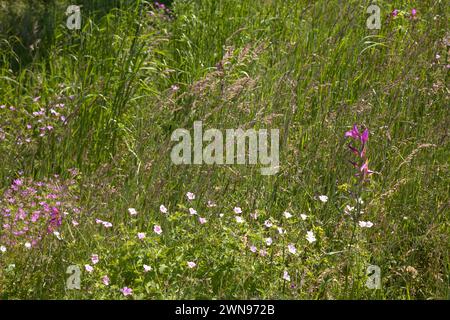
(354, 133)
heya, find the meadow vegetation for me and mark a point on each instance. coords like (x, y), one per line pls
(86, 178)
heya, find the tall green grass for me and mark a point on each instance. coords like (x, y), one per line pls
(311, 69)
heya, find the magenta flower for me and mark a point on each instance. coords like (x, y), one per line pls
(394, 13)
(365, 136)
(413, 12)
(354, 133)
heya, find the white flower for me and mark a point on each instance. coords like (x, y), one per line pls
(191, 264)
(286, 276)
(269, 241)
(239, 219)
(88, 268)
(287, 215)
(292, 248)
(147, 268)
(310, 236)
(323, 198)
(280, 230)
(211, 204)
(268, 223)
(27, 245)
(237, 210)
(365, 224)
(303, 216)
(132, 211)
(163, 209)
(221, 215)
(57, 235)
(192, 211)
(190, 196)
(348, 209)
(2, 249)
(360, 201)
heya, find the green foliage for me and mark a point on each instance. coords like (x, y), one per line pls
(134, 73)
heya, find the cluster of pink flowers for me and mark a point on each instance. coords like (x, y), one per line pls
(32, 209)
(413, 13)
(27, 124)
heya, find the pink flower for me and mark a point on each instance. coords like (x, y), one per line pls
(163, 209)
(286, 276)
(268, 223)
(202, 220)
(105, 280)
(191, 264)
(147, 268)
(94, 258)
(254, 215)
(75, 223)
(237, 210)
(239, 219)
(192, 211)
(394, 13)
(354, 133)
(107, 224)
(141, 235)
(211, 204)
(292, 248)
(253, 249)
(269, 241)
(262, 253)
(190, 196)
(126, 291)
(157, 229)
(132, 211)
(413, 12)
(88, 268)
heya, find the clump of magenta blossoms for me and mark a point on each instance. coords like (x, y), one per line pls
(30, 210)
(361, 163)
